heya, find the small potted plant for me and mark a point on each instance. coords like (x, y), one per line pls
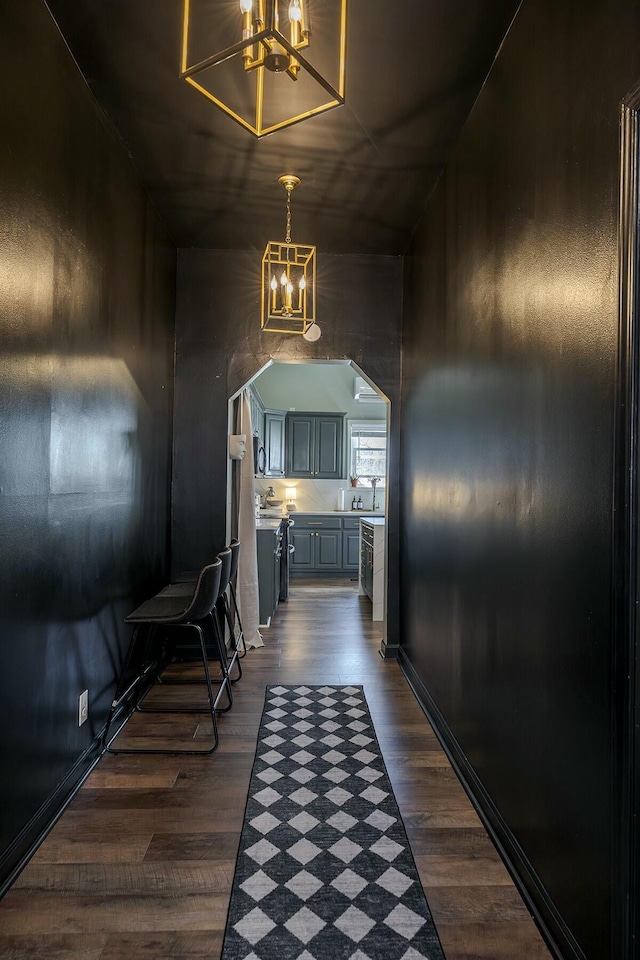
(353, 480)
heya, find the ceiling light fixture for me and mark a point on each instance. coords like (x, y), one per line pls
(242, 78)
(289, 281)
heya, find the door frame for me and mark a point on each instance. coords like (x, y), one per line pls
(626, 543)
(388, 650)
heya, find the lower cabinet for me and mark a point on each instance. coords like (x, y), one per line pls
(372, 565)
(316, 550)
(350, 549)
(366, 560)
(325, 545)
(269, 546)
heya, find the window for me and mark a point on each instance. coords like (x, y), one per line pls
(368, 449)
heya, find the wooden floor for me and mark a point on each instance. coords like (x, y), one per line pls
(140, 866)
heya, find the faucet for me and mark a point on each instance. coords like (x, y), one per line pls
(374, 481)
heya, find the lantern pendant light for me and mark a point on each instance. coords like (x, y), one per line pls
(259, 40)
(289, 280)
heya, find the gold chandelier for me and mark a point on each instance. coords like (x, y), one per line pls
(289, 281)
(262, 39)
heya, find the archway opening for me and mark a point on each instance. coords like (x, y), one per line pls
(320, 433)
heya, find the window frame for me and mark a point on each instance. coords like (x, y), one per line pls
(376, 426)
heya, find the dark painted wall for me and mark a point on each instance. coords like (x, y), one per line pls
(219, 346)
(510, 351)
(87, 292)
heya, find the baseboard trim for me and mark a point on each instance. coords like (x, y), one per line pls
(15, 858)
(389, 651)
(554, 930)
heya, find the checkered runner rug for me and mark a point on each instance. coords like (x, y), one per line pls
(324, 868)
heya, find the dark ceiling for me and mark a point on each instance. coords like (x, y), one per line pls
(414, 69)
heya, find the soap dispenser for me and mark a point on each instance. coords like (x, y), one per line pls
(359, 506)
(353, 504)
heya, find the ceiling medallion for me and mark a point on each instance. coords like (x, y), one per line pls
(289, 281)
(243, 80)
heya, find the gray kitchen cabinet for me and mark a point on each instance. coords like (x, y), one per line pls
(366, 559)
(314, 445)
(299, 446)
(257, 415)
(350, 549)
(328, 550)
(269, 548)
(303, 555)
(317, 547)
(274, 443)
(316, 550)
(350, 543)
(325, 545)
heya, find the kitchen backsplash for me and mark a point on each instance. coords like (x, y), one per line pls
(321, 494)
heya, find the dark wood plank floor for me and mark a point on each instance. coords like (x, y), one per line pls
(140, 866)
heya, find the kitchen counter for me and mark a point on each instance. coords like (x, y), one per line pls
(368, 514)
(375, 520)
(267, 523)
(339, 513)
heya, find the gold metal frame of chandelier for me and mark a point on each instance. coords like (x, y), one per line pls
(270, 34)
(280, 257)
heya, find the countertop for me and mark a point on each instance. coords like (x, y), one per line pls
(267, 523)
(337, 513)
(375, 521)
(271, 522)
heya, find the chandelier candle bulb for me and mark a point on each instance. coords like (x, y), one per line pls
(295, 19)
(247, 24)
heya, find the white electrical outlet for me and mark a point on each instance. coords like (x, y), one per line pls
(83, 707)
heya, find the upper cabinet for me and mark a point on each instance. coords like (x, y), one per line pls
(268, 427)
(257, 415)
(314, 445)
(274, 443)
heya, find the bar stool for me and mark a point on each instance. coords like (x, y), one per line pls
(220, 616)
(225, 613)
(168, 610)
(234, 546)
(228, 609)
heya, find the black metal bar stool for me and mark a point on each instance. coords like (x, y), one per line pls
(234, 546)
(224, 611)
(228, 609)
(167, 609)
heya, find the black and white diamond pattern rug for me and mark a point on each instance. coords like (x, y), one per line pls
(324, 868)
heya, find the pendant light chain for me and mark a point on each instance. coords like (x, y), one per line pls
(287, 238)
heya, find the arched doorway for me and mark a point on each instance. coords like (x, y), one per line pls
(291, 391)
